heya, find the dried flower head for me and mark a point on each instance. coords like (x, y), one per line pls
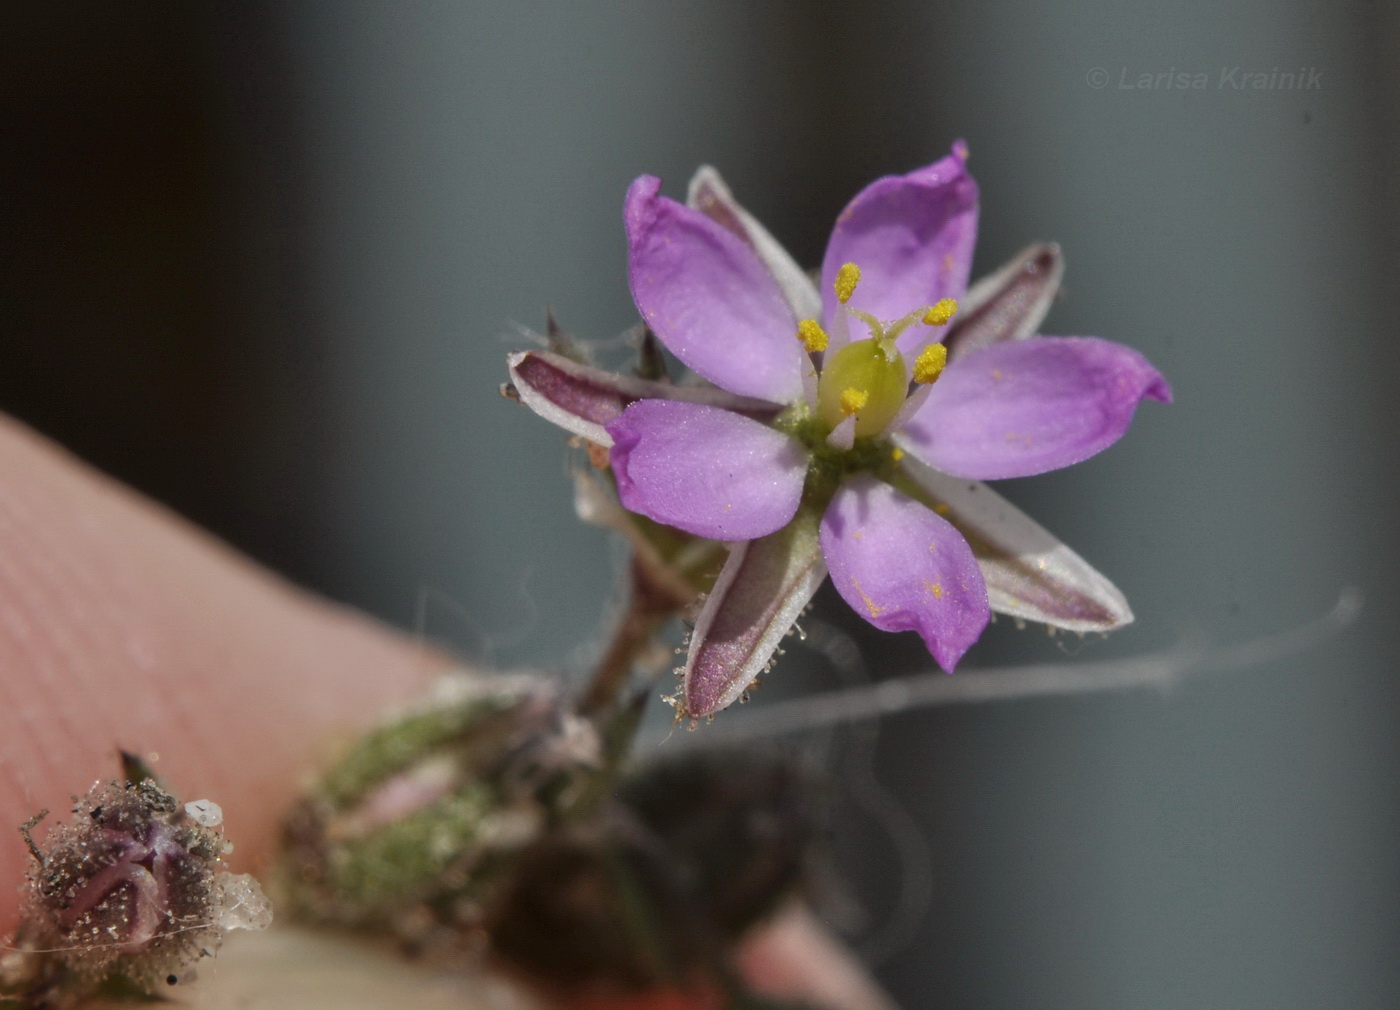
(127, 895)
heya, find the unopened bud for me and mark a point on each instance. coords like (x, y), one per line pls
(132, 891)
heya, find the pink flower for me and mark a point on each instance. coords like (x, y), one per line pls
(837, 440)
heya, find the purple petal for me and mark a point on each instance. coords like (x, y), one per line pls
(759, 594)
(1029, 573)
(709, 298)
(1009, 304)
(706, 471)
(912, 237)
(1025, 407)
(709, 195)
(582, 399)
(904, 568)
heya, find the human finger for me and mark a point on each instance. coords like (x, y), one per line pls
(122, 626)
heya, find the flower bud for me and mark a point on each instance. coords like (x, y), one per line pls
(127, 895)
(413, 828)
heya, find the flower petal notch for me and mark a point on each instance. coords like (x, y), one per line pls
(707, 295)
(761, 591)
(1030, 406)
(705, 470)
(903, 567)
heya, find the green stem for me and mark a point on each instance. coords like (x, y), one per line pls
(647, 612)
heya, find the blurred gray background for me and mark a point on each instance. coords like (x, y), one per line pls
(264, 262)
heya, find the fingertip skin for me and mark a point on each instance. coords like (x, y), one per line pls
(122, 626)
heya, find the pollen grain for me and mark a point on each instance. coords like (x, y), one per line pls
(846, 280)
(941, 311)
(853, 400)
(929, 365)
(813, 337)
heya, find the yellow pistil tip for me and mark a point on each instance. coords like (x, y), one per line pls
(813, 337)
(938, 315)
(853, 400)
(846, 280)
(928, 366)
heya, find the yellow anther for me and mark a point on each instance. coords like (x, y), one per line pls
(813, 337)
(846, 280)
(853, 400)
(939, 314)
(897, 454)
(928, 366)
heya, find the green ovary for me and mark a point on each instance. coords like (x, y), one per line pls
(866, 378)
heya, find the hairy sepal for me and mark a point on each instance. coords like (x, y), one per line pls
(582, 399)
(1030, 574)
(1010, 303)
(760, 593)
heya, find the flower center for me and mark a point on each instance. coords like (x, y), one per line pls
(865, 379)
(868, 379)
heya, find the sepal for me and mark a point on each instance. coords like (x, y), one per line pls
(1029, 573)
(582, 399)
(760, 593)
(1008, 304)
(709, 195)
